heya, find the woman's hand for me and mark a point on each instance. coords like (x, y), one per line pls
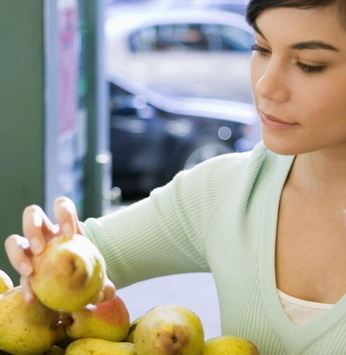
(37, 230)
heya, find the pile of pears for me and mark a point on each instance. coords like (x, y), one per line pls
(64, 320)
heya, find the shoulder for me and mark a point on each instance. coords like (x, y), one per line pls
(228, 166)
(224, 173)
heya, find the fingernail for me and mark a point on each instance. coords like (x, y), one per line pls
(36, 246)
(25, 269)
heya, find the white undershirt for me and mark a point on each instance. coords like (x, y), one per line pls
(302, 312)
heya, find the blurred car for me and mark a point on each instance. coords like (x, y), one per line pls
(237, 6)
(154, 135)
(202, 53)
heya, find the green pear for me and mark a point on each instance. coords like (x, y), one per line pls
(27, 329)
(229, 345)
(69, 273)
(108, 320)
(169, 329)
(92, 346)
(65, 340)
(5, 282)
(130, 338)
(55, 350)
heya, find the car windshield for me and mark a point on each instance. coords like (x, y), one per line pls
(192, 36)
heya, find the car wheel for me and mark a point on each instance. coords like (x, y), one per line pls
(203, 151)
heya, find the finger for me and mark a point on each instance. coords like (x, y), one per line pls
(27, 293)
(19, 254)
(37, 228)
(66, 216)
(107, 292)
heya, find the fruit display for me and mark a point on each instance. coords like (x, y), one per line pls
(52, 326)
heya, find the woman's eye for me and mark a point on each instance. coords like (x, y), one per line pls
(310, 69)
(260, 50)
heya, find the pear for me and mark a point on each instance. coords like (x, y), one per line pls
(169, 329)
(131, 333)
(27, 329)
(108, 320)
(69, 273)
(229, 345)
(92, 346)
(5, 282)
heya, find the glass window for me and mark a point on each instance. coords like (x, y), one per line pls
(234, 38)
(190, 37)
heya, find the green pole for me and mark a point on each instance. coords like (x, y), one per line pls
(21, 115)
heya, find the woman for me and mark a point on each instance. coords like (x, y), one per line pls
(268, 224)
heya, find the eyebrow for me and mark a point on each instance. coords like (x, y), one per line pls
(314, 45)
(304, 45)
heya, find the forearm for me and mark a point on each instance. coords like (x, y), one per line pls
(145, 240)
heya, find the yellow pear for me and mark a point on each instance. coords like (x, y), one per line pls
(169, 329)
(27, 329)
(69, 273)
(131, 334)
(92, 346)
(229, 345)
(5, 282)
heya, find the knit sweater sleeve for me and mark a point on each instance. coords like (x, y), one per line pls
(166, 233)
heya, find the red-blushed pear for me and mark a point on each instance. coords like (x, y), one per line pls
(109, 320)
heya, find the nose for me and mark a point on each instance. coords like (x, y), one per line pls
(270, 82)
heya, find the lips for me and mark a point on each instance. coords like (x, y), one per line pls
(274, 122)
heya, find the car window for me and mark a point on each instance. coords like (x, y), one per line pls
(236, 8)
(234, 38)
(190, 37)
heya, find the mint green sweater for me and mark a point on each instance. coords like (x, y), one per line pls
(220, 217)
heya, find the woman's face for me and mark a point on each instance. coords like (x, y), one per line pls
(299, 79)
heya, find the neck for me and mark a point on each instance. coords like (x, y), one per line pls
(320, 171)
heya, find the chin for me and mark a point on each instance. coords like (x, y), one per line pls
(279, 147)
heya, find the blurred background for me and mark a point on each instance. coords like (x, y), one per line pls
(179, 84)
(104, 100)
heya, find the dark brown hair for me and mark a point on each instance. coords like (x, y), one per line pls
(255, 7)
